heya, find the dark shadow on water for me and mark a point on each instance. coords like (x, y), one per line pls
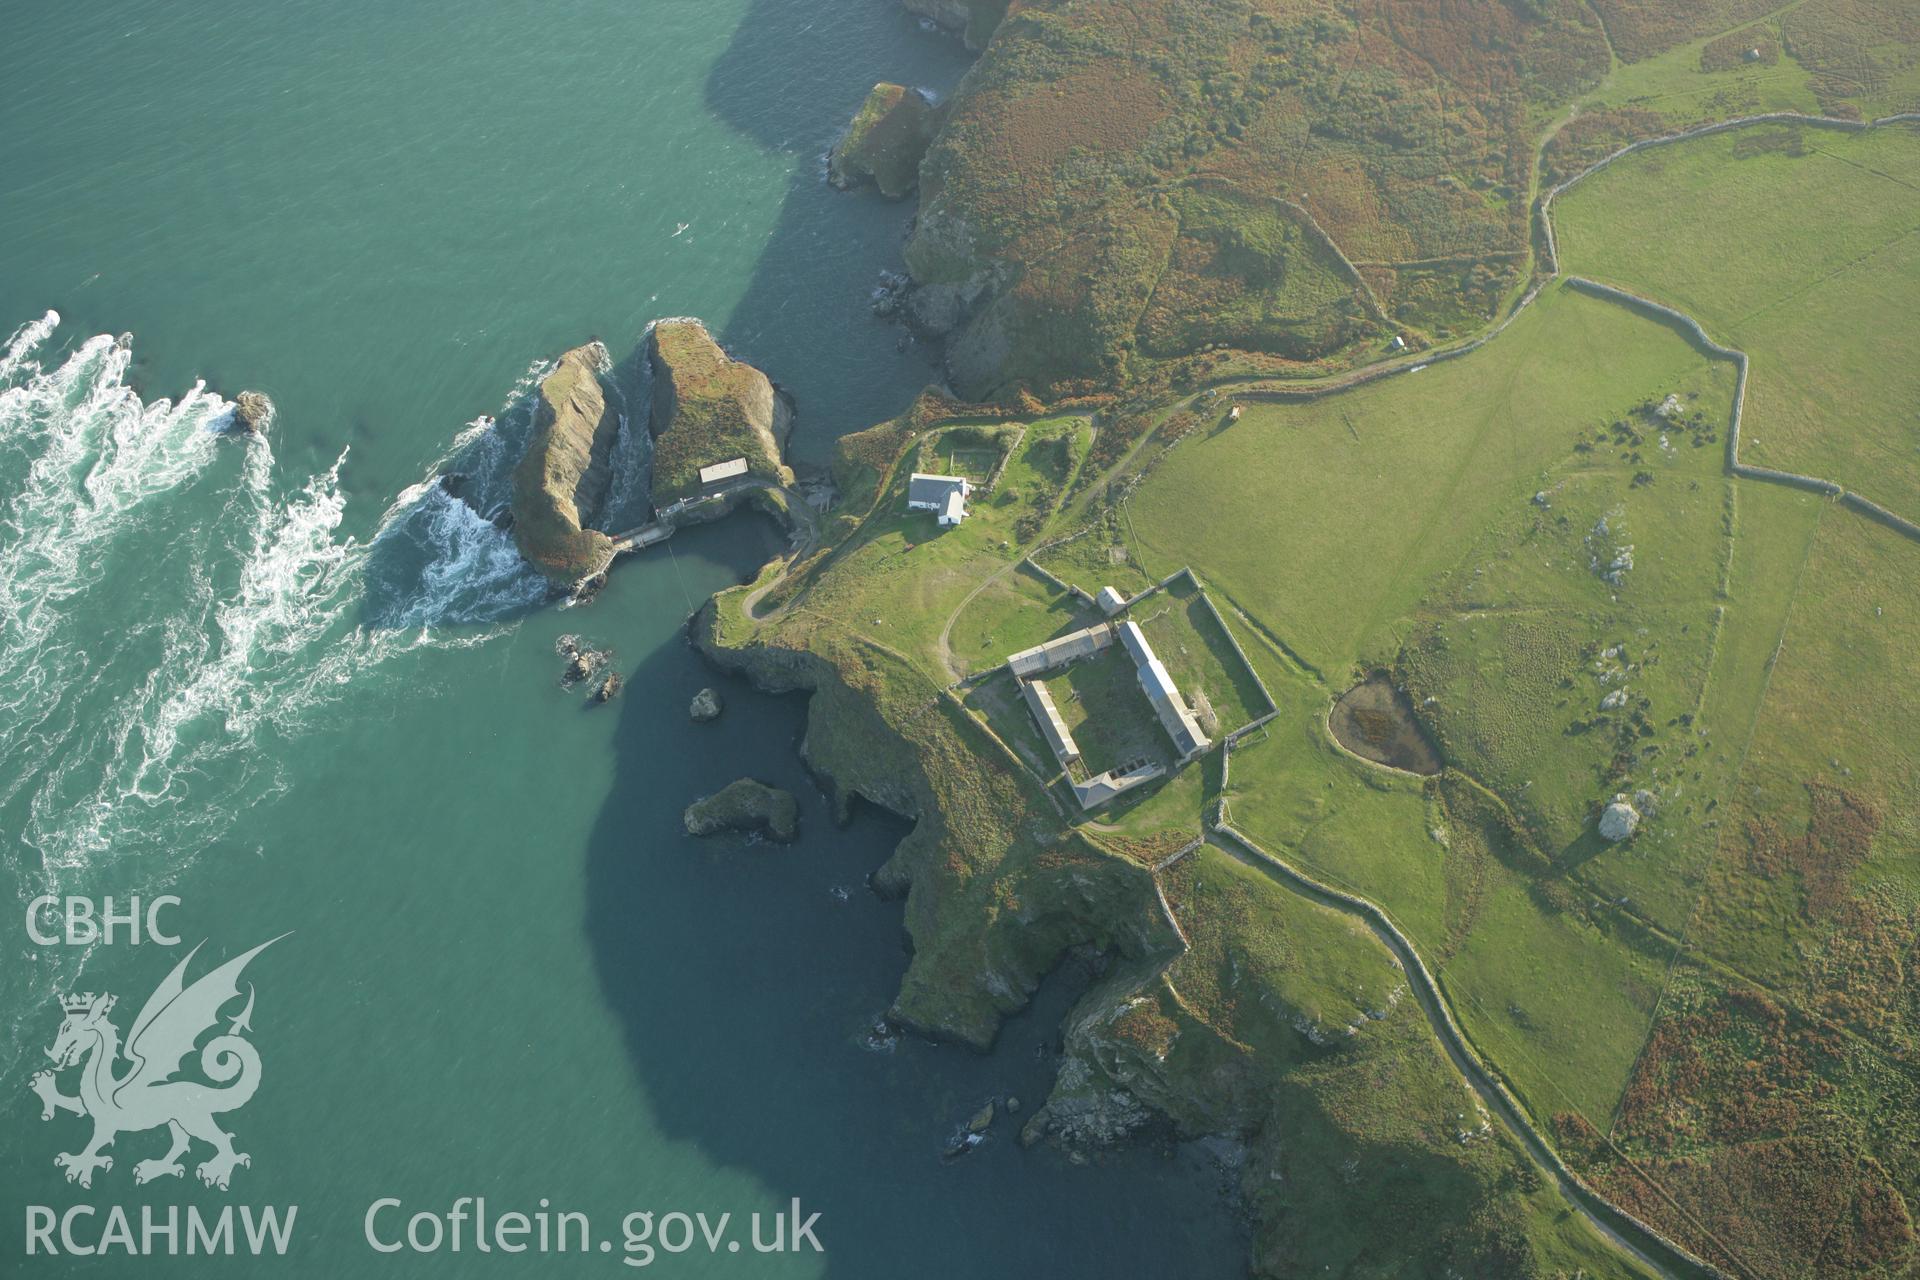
(793, 77)
(748, 977)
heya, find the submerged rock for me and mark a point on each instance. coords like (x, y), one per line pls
(885, 142)
(745, 805)
(563, 478)
(1619, 821)
(252, 412)
(709, 408)
(705, 706)
(583, 660)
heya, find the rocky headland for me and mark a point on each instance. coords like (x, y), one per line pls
(747, 806)
(710, 408)
(562, 480)
(885, 142)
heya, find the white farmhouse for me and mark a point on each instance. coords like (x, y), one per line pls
(945, 496)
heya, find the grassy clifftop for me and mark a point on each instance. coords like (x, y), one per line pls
(1232, 1005)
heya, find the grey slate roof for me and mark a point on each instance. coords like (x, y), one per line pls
(930, 489)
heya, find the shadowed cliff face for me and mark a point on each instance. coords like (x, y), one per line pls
(788, 83)
(746, 977)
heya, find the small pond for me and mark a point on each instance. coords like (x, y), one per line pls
(1375, 721)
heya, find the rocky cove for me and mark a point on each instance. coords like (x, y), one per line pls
(718, 429)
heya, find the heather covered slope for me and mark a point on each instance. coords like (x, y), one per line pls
(1288, 185)
(1124, 182)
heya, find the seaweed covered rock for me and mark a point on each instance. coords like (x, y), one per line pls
(745, 805)
(252, 412)
(885, 142)
(709, 408)
(563, 478)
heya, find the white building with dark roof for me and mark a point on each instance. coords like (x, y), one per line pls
(945, 496)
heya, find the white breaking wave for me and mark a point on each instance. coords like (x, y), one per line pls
(170, 618)
(233, 613)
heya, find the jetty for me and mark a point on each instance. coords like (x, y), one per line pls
(720, 498)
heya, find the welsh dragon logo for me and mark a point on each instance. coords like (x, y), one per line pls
(146, 1095)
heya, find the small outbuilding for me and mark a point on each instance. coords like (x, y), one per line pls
(722, 471)
(1110, 601)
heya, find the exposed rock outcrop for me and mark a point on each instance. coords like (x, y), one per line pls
(252, 412)
(609, 688)
(1619, 821)
(885, 142)
(582, 659)
(745, 805)
(972, 20)
(709, 408)
(562, 480)
(705, 706)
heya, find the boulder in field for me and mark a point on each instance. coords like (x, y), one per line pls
(1619, 821)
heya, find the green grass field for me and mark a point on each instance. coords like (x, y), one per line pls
(1330, 521)
(1741, 662)
(1799, 247)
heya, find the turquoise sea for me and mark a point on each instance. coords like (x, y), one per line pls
(295, 685)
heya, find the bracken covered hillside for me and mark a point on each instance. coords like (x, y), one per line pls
(1121, 182)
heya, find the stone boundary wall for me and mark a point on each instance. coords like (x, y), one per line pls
(1054, 578)
(1874, 511)
(1647, 1238)
(1550, 264)
(1813, 484)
